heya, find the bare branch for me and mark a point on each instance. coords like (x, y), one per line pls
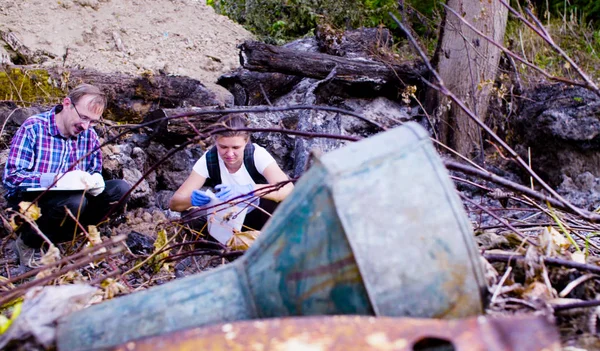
(517, 57)
(546, 36)
(442, 89)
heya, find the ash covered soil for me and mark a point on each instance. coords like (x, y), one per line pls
(180, 37)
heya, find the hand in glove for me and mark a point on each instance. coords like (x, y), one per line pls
(96, 184)
(228, 192)
(74, 180)
(199, 198)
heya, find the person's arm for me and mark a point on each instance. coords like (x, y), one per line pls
(274, 175)
(18, 171)
(181, 200)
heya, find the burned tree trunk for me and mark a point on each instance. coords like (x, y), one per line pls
(467, 63)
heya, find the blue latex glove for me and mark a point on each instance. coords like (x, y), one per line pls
(228, 192)
(199, 198)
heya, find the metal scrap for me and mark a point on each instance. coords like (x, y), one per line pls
(347, 333)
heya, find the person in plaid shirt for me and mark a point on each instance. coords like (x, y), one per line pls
(59, 148)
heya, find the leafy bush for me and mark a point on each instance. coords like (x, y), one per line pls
(287, 19)
(589, 11)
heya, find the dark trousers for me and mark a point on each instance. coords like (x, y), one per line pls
(255, 220)
(55, 223)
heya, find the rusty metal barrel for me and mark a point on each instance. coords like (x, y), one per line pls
(373, 228)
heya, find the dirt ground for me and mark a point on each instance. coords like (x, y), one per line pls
(180, 37)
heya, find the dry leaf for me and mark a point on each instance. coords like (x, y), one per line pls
(71, 277)
(490, 273)
(94, 238)
(51, 256)
(538, 291)
(578, 257)
(553, 242)
(15, 311)
(27, 209)
(112, 288)
(161, 240)
(31, 211)
(242, 240)
(94, 235)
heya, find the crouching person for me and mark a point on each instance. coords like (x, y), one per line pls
(236, 168)
(42, 151)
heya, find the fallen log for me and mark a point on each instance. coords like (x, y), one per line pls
(256, 56)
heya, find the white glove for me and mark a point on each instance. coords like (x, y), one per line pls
(97, 184)
(81, 180)
(74, 180)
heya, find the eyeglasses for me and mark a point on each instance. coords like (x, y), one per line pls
(86, 119)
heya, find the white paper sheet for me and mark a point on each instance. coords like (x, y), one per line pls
(222, 220)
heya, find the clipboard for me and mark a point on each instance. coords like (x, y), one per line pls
(59, 189)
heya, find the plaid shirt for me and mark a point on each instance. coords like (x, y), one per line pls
(38, 152)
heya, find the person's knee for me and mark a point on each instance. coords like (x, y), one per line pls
(74, 203)
(122, 187)
(117, 188)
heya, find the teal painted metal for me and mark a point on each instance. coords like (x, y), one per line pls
(374, 228)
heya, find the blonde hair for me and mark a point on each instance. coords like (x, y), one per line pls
(98, 101)
(233, 121)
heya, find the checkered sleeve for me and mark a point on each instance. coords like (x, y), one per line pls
(19, 168)
(94, 161)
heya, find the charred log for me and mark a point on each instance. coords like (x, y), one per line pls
(257, 88)
(359, 43)
(261, 57)
(174, 131)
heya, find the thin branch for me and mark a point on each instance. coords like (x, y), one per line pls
(443, 90)
(544, 35)
(551, 261)
(20, 290)
(255, 109)
(85, 252)
(453, 165)
(570, 306)
(498, 218)
(515, 56)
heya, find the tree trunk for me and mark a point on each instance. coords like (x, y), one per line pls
(467, 63)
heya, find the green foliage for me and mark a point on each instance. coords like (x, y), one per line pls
(588, 10)
(278, 20)
(545, 59)
(579, 40)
